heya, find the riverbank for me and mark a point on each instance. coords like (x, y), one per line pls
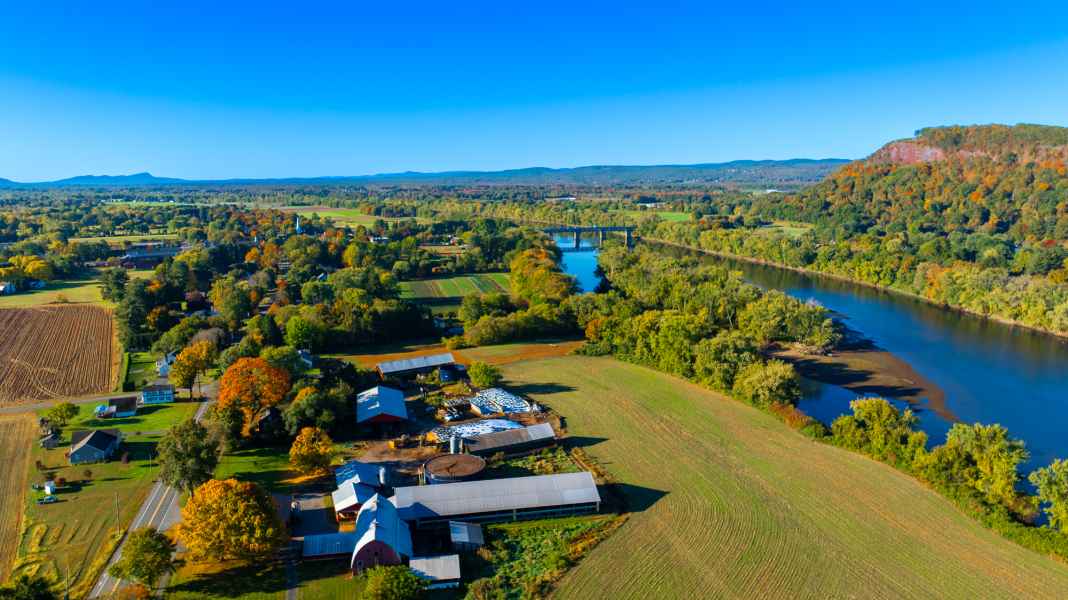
(870, 371)
(1063, 336)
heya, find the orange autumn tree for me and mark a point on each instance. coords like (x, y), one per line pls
(231, 519)
(251, 385)
(312, 451)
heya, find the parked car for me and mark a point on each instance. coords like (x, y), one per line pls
(48, 500)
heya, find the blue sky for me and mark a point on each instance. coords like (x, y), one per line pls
(203, 90)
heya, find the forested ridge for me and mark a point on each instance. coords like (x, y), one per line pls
(974, 218)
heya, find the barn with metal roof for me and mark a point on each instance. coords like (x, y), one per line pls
(514, 498)
(380, 404)
(512, 441)
(413, 366)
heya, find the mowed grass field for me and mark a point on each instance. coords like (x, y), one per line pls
(730, 503)
(17, 437)
(81, 530)
(457, 286)
(344, 216)
(74, 291)
(674, 216)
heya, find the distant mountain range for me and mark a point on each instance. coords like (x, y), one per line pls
(769, 173)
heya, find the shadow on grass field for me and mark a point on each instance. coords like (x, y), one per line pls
(255, 581)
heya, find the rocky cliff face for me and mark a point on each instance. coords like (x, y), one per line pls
(907, 152)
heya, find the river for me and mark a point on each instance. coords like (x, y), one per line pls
(987, 371)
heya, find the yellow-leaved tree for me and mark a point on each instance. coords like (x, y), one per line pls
(312, 451)
(231, 519)
(191, 363)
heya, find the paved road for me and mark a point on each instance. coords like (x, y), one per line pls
(160, 510)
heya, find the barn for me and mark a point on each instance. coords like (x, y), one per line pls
(419, 365)
(510, 499)
(380, 404)
(383, 538)
(512, 441)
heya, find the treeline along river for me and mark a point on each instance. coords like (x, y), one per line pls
(987, 371)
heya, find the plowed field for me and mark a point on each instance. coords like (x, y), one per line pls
(54, 352)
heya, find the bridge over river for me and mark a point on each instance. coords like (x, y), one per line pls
(577, 231)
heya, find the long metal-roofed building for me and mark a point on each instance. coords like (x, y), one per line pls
(510, 499)
(512, 441)
(413, 366)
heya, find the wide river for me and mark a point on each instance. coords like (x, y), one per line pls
(990, 373)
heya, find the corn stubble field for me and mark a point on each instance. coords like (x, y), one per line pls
(730, 503)
(55, 351)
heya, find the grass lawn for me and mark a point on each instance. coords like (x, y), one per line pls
(788, 228)
(456, 286)
(729, 502)
(496, 355)
(347, 216)
(268, 467)
(328, 579)
(81, 529)
(231, 580)
(142, 367)
(75, 291)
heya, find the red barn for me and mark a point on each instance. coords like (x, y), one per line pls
(380, 404)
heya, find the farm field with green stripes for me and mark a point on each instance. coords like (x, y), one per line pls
(728, 502)
(455, 287)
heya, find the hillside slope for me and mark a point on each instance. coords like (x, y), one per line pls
(733, 504)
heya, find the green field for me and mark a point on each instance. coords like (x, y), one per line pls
(730, 503)
(73, 291)
(788, 228)
(457, 286)
(133, 239)
(79, 531)
(142, 368)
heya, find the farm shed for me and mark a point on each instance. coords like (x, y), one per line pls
(160, 393)
(383, 538)
(356, 482)
(441, 572)
(118, 408)
(6, 288)
(414, 366)
(328, 545)
(512, 441)
(93, 445)
(380, 404)
(494, 401)
(465, 537)
(464, 430)
(361, 472)
(510, 499)
(450, 468)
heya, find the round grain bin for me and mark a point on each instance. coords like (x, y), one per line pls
(450, 468)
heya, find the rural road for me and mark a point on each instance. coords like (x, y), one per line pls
(160, 510)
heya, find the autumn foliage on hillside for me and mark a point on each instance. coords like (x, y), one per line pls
(251, 385)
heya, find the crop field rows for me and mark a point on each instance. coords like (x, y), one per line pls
(456, 287)
(54, 352)
(728, 502)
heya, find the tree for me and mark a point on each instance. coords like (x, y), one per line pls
(1052, 485)
(62, 413)
(324, 409)
(188, 455)
(113, 284)
(284, 357)
(312, 451)
(252, 384)
(766, 384)
(878, 429)
(147, 555)
(484, 375)
(231, 519)
(993, 456)
(191, 363)
(392, 583)
(233, 300)
(304, 333)
(28, 587)
(718, 360)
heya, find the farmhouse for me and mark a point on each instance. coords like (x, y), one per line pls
(512, 441)
(160, 393)
(409, 367)
(93, 445)
(511, 499)
(380, 404)
(440, 572)
(118, 408)
(383, 538)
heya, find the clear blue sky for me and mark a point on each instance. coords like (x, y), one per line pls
(225, 89)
